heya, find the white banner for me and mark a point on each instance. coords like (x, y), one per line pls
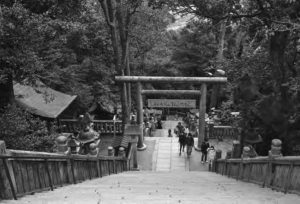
(171, 103)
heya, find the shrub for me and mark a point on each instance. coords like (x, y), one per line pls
(21, 130)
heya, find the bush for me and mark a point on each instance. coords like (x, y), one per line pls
(20, 130)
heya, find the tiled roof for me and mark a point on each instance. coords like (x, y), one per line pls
(42, 100)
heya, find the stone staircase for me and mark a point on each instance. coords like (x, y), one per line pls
(160, 187)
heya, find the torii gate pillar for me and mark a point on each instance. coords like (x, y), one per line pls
(140, 116)
(202, 111)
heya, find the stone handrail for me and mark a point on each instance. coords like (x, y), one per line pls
(103, 126)
(25, 172)
(280, 173)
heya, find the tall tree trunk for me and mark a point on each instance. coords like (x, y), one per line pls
(220, 56)
(128, 84)
(278, 44)
(221, 42)
(113, 18)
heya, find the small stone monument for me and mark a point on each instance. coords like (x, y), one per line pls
(94, 149)
(275, 148)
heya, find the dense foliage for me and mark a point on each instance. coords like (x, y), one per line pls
(20, 130)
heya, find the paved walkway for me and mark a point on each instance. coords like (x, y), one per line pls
(160, 188)
(165, 156)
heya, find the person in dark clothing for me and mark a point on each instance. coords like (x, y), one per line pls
(159, 124)
(182, 140)
(179, 129)
(204, 147)
(169, 133)
(189, 144)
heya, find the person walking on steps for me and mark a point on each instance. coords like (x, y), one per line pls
(211, 154)
(182, 140)
(204, 147)
(179, 129)
(189, 144)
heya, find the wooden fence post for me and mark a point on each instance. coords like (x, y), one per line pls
(69, 169)
(9, 178)
(288, 179)
(72, 169)
(48, 174)
(98, 168)
(242, 169)
(89, 168)
(114, 167)
(250, 170)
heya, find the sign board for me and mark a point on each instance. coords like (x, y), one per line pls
(171, 103)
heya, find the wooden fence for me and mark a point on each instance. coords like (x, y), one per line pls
(103, 126)
(281, 173)
(22, 174)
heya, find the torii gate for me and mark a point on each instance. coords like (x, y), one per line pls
(161, 79)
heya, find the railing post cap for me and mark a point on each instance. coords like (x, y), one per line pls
(61, 140)
(276, 142)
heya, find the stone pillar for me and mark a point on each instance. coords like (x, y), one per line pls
(236, 149)
(110, 151)
(275, 148)
(140, 116)
(122, 152)
(202, 110)
(134, 155)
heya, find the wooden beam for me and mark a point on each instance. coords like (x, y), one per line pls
(162, 79)
(171, 92)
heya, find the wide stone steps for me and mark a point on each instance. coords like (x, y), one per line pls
(160, 187)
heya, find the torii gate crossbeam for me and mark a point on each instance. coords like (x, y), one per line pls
(171, 92)
(161, 79)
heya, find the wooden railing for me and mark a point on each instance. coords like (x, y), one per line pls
(103, 126)
(282, 173)
(22, 174)
(222, 132)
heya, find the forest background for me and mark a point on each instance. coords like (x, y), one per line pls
(77, 47)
